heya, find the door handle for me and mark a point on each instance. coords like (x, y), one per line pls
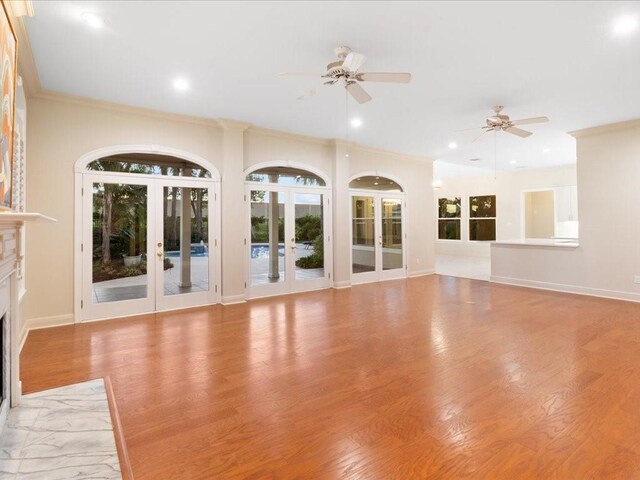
(160, 254)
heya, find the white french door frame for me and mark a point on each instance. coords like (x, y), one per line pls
(290, 284)
(378, 274)
(85, 309)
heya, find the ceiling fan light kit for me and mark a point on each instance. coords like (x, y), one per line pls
(346, 71)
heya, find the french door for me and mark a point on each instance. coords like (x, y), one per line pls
(149, 244)
(377, 236)
(288, 239)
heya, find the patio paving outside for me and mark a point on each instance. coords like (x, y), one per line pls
(130, 288)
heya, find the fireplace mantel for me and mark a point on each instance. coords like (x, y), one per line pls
(11, 261)
(15, 218)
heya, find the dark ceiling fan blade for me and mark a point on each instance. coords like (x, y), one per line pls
(388, 77)
(518, 131)
(358, 92)
(527, 121)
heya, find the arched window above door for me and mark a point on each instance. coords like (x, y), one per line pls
(374, 182)
(149, 164)
(286, 176)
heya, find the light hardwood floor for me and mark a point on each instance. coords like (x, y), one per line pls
(432, 377)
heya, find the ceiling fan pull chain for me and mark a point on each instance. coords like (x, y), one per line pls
(495, 154)
(346, 120)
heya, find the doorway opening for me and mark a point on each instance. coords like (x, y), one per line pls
(149, 226)
(289, 231)
(377, 229)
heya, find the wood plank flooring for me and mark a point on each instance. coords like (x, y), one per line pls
(432, 377)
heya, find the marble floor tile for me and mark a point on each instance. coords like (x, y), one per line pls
(60, 433)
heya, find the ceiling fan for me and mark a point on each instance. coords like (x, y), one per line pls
(499, 121)
(346, 71)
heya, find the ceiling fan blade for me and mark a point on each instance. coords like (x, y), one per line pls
(387, 77)
(358, 92)
(479, 136)
(354, 61)
(467, 129)
(518, 131)
(526, 121)
(300, 74)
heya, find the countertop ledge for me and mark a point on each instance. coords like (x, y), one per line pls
(539, 242)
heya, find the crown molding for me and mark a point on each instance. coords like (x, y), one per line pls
(390, 153)
(118, 107)
(611, 127)
(290, 136)
(229, 124)
(18, 10)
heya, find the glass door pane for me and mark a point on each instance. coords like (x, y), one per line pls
(119, 246)
(363, 252)
(267, 262)
(185, 240)
(391, 233)
(309, 236)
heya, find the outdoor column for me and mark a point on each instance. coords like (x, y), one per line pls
(185, 239)
(341, 219)
(234, 221)
(274, 215)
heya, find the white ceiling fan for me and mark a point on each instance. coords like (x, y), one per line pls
(501, 122)
(346, 71)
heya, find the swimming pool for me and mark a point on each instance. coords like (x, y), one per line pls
(261, 250)
(197, 250)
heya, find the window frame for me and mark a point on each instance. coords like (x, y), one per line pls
(458, 218)
(470, 218)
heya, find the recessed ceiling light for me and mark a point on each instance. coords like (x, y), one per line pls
(625, 25)
(181, 84)
(513, 162)
(453, 145)
(93, 20)
(356, 122)
(545, 150)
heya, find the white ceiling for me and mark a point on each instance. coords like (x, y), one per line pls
(558, 59)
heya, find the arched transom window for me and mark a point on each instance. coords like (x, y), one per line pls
(149, 164)
(286, 176)
(374, 182)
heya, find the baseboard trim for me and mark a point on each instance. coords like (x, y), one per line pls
(233, 299)
(575, 289)
(421, 273)
(342, 284)
(43, 322)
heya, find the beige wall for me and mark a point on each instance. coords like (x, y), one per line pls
(415, 176)
(59, 133)
(608, 257)
(508, 188)
(61, 130)
(538, 213)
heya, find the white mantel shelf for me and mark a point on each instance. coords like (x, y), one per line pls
(11, 218)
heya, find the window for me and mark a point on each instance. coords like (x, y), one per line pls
(449, 218)
(482, 218)
(371, 182)
(286, 176)
(149, 164)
